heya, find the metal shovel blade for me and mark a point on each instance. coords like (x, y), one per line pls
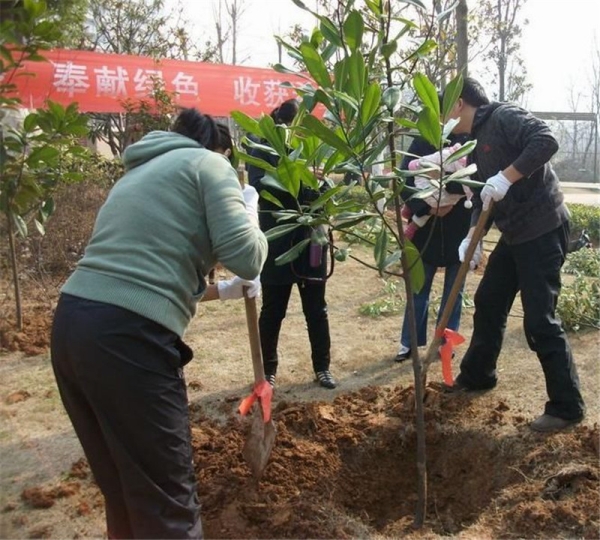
(259, 444)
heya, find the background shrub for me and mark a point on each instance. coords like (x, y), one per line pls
(585, 217)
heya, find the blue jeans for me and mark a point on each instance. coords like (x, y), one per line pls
(421, 300)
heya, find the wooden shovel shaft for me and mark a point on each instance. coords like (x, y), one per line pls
(254, 336)
(457, 286)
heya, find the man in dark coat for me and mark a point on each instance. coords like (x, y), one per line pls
(513, 159)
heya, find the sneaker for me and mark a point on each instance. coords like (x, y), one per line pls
(403, 354)
(547, 423)
(271, 379)
(325, 379)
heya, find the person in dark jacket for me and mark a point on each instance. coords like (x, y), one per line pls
(513, 159)
(277, 280)
(437, 241)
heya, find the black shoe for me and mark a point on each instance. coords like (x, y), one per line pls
(459, 387)
(403, 355)
(548, 423)
(271, 379)
(325, 379)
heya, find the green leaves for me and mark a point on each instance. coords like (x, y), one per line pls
(315, 65)
(451, 95)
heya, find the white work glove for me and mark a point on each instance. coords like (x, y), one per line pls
(495, 189)
(251, 199)
(231, 289)
(477, 254)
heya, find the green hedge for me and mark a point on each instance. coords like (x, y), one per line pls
(585, 217)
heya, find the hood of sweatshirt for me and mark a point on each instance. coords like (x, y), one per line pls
(482, 114)
(155, 143)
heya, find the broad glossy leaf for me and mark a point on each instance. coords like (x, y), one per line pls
(380, 250)
(281, 230)
(451, 95)
(391, 97)
(371, 102)
(246, 122)
(353, 30)
(429, 126)
(389, 48)
(427, 94)
(271, 198)
(327, 135)
(315, 65)
(415, 265)
(293, 253)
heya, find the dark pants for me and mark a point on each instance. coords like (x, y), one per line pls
(421, 300)
(274, 307)
(533, 268)
(120, 379)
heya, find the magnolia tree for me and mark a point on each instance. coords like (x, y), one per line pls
(34, 152)
(351, 114)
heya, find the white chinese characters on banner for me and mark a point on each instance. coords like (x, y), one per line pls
(70, 78)
(145, 80)
(274, 93)
(246, 91)
(185, 84)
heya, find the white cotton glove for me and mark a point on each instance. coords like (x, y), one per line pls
(251, 199)
(495, 189)
(231, 289)
(477, 254)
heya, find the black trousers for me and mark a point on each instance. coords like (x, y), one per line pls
(120, 379)
(533, 268)
(275, 299)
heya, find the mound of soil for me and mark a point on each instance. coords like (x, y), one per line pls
(347, 469)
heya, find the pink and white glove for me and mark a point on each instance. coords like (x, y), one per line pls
(494, 190)
(251, 199)
(434, 159)
(477, 254)
(232, 289)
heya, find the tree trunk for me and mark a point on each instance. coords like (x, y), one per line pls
(15, 273)
(501, 57)
(462, 38)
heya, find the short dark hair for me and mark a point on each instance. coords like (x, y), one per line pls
(199, 127)
(225, 141)
(473, 93)
(286, 112)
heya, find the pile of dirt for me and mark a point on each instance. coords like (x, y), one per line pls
(347, 469)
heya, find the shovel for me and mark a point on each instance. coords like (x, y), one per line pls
(261, 438)
(441, 332)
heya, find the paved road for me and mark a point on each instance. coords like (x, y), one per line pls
(579, 192)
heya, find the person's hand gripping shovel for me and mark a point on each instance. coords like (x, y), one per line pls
(445, 339)
(261, 438)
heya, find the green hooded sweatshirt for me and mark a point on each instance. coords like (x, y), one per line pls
(176, 212)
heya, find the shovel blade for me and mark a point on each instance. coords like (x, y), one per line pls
(259, 444)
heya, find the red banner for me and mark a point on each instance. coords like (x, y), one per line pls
(101, 82)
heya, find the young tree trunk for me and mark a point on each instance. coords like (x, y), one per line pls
(15, 273)
(462, 38)
(421, 509)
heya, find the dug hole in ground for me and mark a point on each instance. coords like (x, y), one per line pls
(344, 462)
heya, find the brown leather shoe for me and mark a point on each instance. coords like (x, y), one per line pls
(548, 423)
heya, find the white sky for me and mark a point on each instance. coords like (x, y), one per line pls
(556, 45)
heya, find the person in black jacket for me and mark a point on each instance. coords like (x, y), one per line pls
(512, 156)
(277, 280)
(437, 241)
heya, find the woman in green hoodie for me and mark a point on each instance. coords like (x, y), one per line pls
(117, 348)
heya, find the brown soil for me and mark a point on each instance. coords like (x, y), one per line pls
(344, 462)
